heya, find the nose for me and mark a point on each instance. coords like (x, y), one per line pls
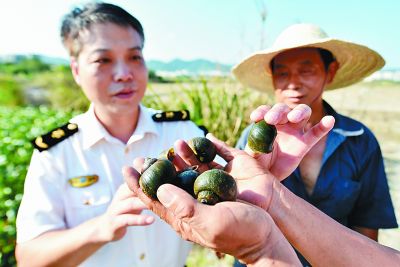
(294, 82)
(122, 72)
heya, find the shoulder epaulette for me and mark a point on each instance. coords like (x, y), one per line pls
(181, 115)
(204, 129)
(55, 136)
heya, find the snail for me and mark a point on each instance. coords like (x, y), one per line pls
(203, 148)
(185, 179)
(261, 137)
(160, 171)
(214, 186)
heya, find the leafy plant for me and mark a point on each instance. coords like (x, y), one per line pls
(17, 127)
(223, 109)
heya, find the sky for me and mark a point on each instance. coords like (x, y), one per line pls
(225, 31)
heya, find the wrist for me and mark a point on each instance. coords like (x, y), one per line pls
(95, 231)
(278, 200)
(276, 251)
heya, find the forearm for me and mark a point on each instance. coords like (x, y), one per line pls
(320, 239)
(61, 248)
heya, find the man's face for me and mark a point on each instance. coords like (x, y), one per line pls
(299, 77)
(110, 68)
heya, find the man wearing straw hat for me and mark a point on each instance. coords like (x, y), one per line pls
(343, 175)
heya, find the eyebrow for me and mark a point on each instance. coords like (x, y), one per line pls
(104, 50)
(305, 62)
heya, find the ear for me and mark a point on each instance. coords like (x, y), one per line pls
(75, 70)
(332, 69)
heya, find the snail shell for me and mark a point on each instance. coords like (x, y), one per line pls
(185, 179)
(203, 148)
(214, 186)
(261, 137)
(162, 171)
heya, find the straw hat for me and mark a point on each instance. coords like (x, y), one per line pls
(355, 61)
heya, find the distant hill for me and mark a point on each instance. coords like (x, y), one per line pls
(170, 68)
(46, 59)
(188, 67)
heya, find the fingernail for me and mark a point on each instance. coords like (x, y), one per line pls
(165, 197)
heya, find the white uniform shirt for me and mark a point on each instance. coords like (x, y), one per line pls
(51, 203)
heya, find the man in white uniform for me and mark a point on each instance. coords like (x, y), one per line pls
(76, 209)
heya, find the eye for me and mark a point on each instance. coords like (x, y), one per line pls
(102, 60)
(281, 74)
(137, 58)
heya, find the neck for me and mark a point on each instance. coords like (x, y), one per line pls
(120, 126)
(318, 112)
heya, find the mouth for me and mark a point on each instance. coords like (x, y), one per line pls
(125, 93)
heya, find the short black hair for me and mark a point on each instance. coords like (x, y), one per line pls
(326, 56)
(80, 19)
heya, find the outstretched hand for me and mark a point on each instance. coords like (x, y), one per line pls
(223, 227)
(294, 136)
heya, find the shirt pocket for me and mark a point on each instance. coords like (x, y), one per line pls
(84, 203)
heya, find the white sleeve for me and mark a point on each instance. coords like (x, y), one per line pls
(42, 207)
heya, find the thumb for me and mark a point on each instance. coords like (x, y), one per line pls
(177, 201)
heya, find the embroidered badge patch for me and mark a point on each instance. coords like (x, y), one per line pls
(83, 181)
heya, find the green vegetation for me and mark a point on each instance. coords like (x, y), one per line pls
(17, 127)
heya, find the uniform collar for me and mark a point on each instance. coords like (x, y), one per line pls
(93, 131)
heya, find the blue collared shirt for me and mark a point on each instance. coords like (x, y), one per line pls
(352, 186)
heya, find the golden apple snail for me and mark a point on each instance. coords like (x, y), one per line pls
(214, 186)
(185, 179)
(261, 137)
(160, 172)
(203, 148)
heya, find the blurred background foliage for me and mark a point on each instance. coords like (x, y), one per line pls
(36, 97)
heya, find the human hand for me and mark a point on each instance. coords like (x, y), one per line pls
(239, 229)
(294, 137)
(124, 210)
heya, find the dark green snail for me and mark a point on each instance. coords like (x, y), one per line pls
(261, 137)
(185, 179)
(203, 148)
(160, 171)
(214, 186)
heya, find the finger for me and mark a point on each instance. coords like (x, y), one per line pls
(277, 114)
(319, 130)
(259, 112)
(300, 116)
(177, 201)
(223, 150)
(130, 205)
(186, 153)
(180, 147)
(138, 164)
(123, 192)
(125, 220)
(131, 177)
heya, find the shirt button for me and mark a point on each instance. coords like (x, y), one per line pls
(126, 150)
(142, 256)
